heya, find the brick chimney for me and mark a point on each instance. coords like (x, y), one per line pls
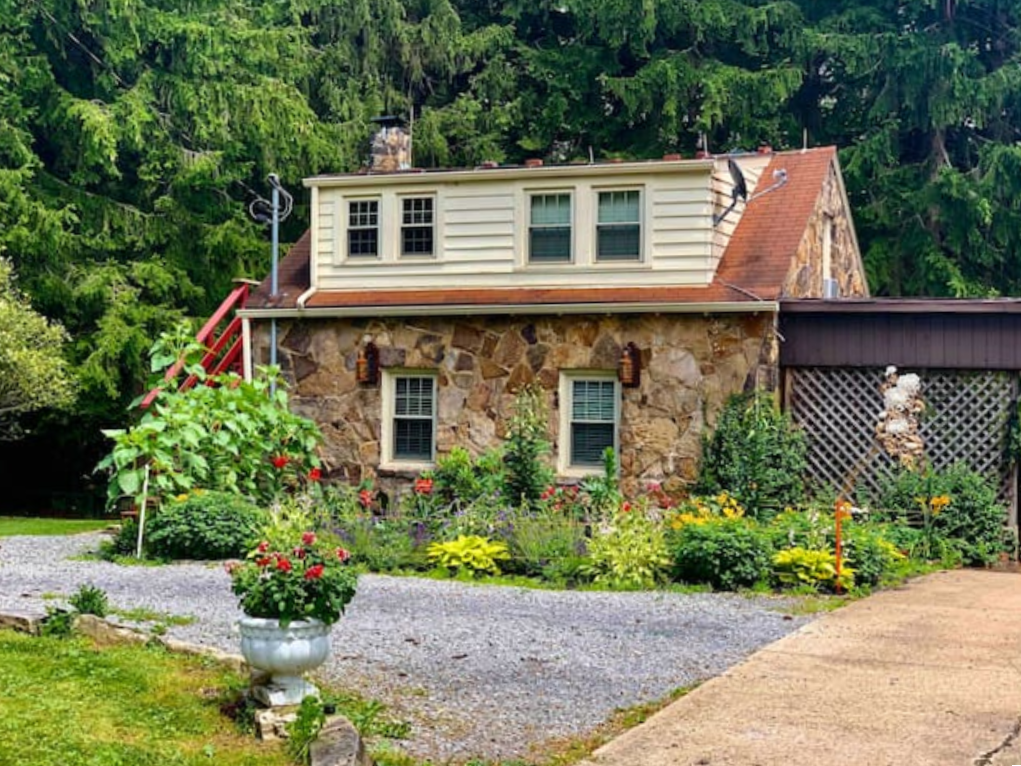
(391, 146)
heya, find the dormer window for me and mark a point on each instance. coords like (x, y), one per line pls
(549, 230)
(363, 228)
(417, 226)
(618, 226)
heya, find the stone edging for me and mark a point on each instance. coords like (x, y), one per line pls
(107, 634)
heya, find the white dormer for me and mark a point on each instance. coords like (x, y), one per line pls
(630, 224)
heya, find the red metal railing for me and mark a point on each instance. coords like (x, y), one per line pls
(223, 346)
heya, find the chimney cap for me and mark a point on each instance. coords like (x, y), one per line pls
(388, 121)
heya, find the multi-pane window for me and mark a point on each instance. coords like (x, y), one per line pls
(549, 230)
(592, 420)
(363, 228)
(417, 218)
(618, 226)
(414, 417)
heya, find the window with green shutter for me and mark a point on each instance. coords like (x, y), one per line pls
(549, 230)
(619, 226)
(593, 420)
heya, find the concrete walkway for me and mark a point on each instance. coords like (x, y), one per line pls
(925, 675)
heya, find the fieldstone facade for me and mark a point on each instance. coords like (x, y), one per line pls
(805, 278)
(690, 363)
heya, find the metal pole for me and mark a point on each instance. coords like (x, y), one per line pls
(274, 283)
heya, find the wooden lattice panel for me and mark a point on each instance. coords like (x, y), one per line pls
(965, 419)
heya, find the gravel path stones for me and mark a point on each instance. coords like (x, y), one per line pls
(479, 671)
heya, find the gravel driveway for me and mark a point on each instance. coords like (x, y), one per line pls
(478, 671)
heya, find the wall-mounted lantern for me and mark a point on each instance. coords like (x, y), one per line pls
(367, 364)
(629, 370)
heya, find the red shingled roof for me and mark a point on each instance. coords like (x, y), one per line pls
(766, 239)
(754, 265)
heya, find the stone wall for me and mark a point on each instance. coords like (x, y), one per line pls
(805, 276)
(690, 364)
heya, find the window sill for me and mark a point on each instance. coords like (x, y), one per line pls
(574, 473)
(404, 470)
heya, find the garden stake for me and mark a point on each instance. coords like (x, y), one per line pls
(141, 511)
(840, 512)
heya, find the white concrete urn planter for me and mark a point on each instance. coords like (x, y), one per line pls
(286, 654)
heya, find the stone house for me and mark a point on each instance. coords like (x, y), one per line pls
(638, 295)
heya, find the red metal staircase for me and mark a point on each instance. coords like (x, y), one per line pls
(220, 336)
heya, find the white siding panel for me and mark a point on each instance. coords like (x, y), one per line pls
(696, 195)
(495, 215)
(478, 228)
(682, 236)
(472, 202)
(682, 210)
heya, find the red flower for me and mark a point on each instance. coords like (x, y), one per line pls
(314, 573)
(315, 474)
(626, 507)
(283, 564)
(263, 562)
(279, 461)
(309, 538)
(263, 546)
(365, 498)
(299, 552)
(547, 493)
(423, 486)
(342, 554)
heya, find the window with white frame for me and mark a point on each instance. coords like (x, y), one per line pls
(619, 225)
(417, 226)
(409, 418)
(589, 419)
(363, 228)
(549, 228)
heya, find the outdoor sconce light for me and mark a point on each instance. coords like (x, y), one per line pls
(367, 364)
(629, 371)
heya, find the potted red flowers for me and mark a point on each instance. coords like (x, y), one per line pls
(291, 597)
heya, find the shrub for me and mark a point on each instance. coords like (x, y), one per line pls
(90, 600)
(546, 543)
(866, 546)
(601, 496)
(204, 525)
(972, 522)
(124, 543)
(797, 567)
(727, 553)
(460, 479)
(629, 553)
(756, 454)
(385, 544)
(469, 554)
(527, 472)
(869, 554)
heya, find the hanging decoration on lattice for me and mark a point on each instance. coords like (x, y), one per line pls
(897, 430)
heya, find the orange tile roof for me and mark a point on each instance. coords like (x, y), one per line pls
(754, 265)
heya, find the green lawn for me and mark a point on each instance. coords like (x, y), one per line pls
(19, 525)
(66, 703)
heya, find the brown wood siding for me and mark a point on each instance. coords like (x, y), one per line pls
(971, 337)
